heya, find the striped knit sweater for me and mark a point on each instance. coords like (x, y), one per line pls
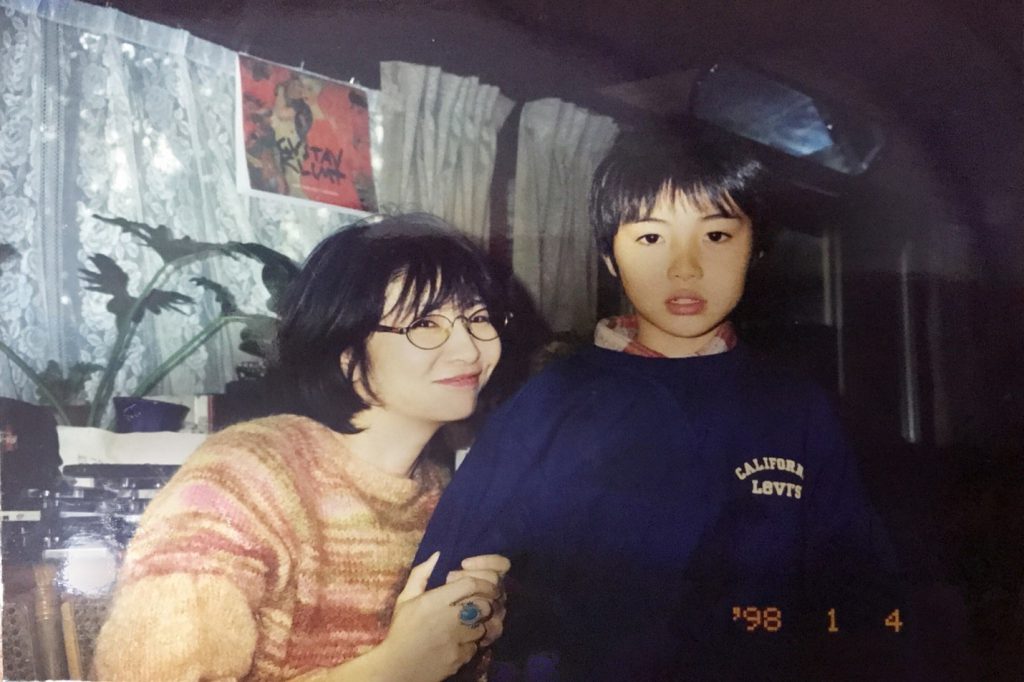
(272, 552)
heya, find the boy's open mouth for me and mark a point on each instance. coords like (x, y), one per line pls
(688, 304)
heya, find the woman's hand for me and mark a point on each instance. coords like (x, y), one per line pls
(492, 568)
(427, 640)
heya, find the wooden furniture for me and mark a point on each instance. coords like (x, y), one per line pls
(48, 630)
(47, 635)
(71, 547)
(82, 618)
(32, 642)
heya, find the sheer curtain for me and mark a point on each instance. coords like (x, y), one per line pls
(104, 113)
(553, 251)
(439, 143)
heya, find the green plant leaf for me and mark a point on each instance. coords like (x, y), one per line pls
(53, 377)
(111, 280)
(35, 378)
(147, 383)
(160, 300)
(257, 337)
(162, 240)
(79, 373)
(66, 390)
(177, 253)
(228, 305)
(278, 269)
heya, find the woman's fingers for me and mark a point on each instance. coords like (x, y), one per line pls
(495, 625)
(445, 625)
(416, 584)
(489, 575)
(490, 568)
(487, 562)
(467, 651)
(463, 588)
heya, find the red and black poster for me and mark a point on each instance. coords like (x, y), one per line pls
(304, 136)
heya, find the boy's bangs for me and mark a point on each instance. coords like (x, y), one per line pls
(641, 171)
(707, 196)
(703, 195)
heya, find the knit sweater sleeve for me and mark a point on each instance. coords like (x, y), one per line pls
(209, 551)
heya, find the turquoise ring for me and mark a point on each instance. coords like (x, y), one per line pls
(469, 614)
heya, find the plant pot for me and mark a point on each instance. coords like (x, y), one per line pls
(141, 414)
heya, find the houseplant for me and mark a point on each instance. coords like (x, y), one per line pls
(109, 279)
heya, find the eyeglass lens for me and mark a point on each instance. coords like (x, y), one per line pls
(430, 331)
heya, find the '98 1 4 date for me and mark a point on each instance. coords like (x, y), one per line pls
(769, 619)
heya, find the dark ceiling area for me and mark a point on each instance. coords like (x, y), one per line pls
(945, 74)
(915, 50)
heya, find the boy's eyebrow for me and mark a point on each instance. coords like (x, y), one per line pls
(717, 215)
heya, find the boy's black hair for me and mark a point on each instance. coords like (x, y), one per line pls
(337, 300)
(642, 165)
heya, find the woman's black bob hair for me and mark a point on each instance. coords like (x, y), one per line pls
(643, 165)
(337, 300)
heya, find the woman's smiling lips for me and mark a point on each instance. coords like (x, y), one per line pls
(462, 381)
(685, 303)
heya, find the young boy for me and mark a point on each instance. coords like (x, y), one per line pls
(674, 507)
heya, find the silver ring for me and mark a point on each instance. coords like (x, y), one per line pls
(469, 614)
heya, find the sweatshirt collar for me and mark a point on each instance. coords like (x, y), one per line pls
(619, 334)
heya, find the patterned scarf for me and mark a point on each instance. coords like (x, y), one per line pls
(619, 334)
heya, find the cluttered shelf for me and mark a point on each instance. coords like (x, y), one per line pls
(71, 500)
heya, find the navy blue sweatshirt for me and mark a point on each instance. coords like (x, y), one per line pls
(667, 518)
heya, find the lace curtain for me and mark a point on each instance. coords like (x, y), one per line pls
(104, 113)
(439, 143)
(553, 250)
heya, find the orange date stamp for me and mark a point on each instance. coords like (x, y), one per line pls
(769, 619)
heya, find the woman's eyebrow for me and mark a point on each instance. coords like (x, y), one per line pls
(426, 310)
(470, 304)
(436, 305)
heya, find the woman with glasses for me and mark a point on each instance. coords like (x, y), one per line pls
(280, 550)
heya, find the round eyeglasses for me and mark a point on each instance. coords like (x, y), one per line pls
(431, 331)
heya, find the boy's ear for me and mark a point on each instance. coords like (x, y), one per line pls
(609, 263)
(755, 258)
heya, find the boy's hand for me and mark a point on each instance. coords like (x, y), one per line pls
(492, 568)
